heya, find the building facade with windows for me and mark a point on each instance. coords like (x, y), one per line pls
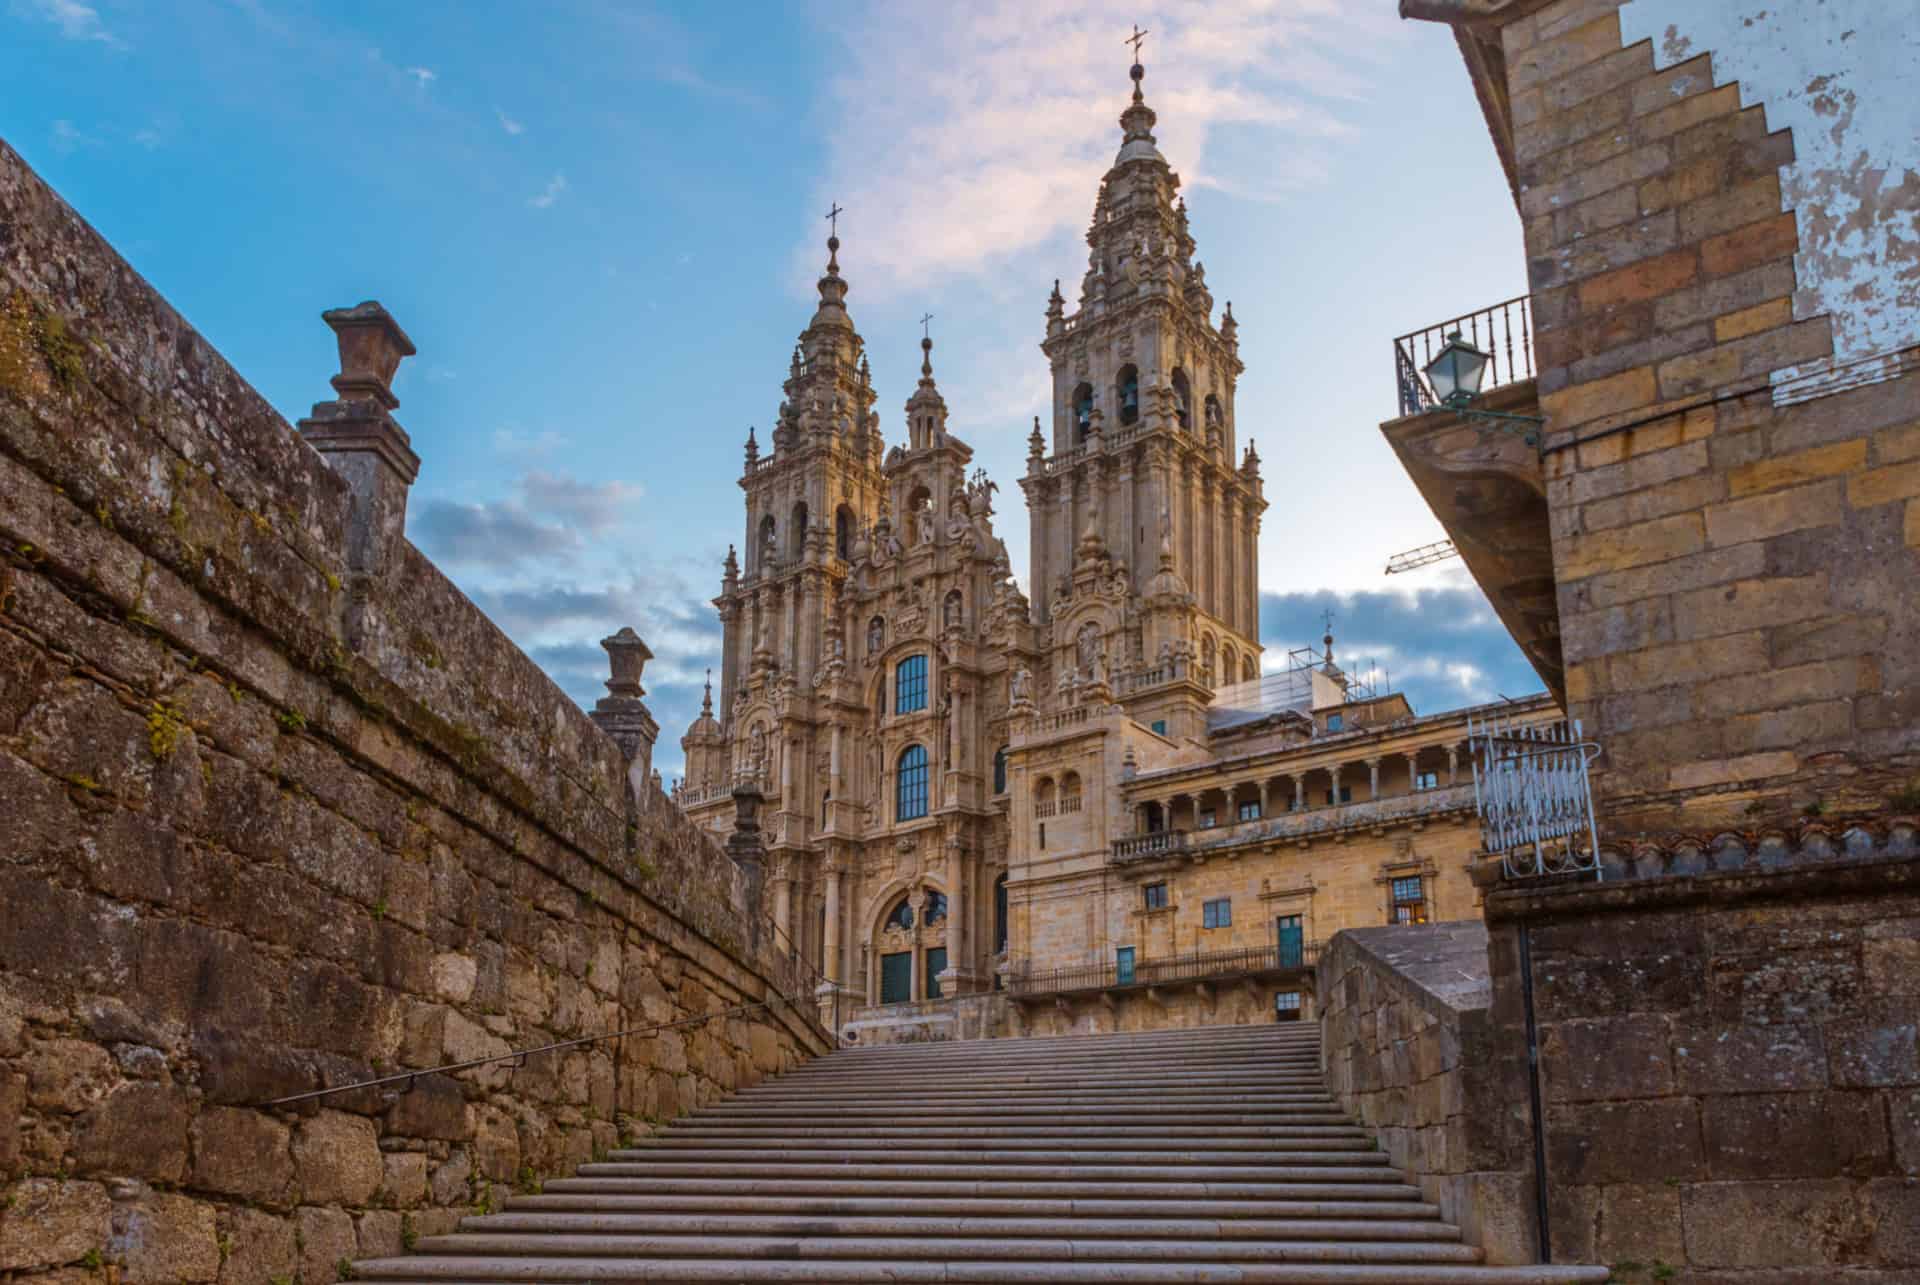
(987, 813)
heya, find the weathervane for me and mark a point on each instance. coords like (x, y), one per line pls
(1135, 40)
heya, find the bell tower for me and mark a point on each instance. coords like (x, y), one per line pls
(1144, 448)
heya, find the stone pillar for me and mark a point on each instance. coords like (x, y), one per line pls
(621, 713)
(1333, 795)
(1373, 778)
(1453, 763)
(1300, 791)
(1413, 772)
(745, 847)
(361, 441)
(830, 949)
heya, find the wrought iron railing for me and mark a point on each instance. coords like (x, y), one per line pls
(1168, 970)
(1504, 331)
(1536, 805)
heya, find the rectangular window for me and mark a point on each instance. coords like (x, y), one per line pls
(896, 977)
(1156, 896)
(936, 965)
(1217, 913)
(1043, 835)
(1000, 770)
(1206, 819)
(1159, 727)
(1409, 901)
(1286, 1006)
(1123, 966)
(910, 685)
(1335, 722)
(1427, 781)
(1250, 811)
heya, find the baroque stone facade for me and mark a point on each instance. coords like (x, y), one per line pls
(972, 792)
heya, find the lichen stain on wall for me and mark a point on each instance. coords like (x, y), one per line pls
(1852, 182)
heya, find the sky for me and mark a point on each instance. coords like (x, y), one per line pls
(601, 221)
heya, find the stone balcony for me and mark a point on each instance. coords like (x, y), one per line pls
(1293, 826)
(1200, 968)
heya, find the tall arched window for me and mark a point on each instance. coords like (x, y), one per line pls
(843, 533)
(1228, 665)
(1000, 915)
(935, 909)
(1206, 661)
(1251, 670)
(1000, 770)
(910, 685)
(1128, 387)
(797, 533)
(1070, 792)
(910, 784)
(901, 916)
(1182, 398)
(1082, 413)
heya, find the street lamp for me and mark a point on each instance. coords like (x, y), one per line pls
(1455, 376)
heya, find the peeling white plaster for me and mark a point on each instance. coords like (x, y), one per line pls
(1844, 75)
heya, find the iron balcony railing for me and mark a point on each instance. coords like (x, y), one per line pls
(1504, 331)
(1168, 970)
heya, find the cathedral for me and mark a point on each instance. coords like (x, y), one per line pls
(970, 802)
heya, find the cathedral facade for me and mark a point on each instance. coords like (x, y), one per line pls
(959, 780)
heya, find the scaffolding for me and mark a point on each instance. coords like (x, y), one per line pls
(1281, 691)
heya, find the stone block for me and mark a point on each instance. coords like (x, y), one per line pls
(1714, 566)
(337, 1159)
(1788, 685)
(1622, 548)
(1683, 495)
(13, 1102)
(1774, 1225)
(1637, 1142)
(379, 1233)
(165, 1239)
(1549, 59)
(1822, 724)
(242, 1153)
(1777, 237)
(404, 1180)
(260, 1248)
(1903, 1113)
(1884, 485)
(451, 1179)
(68, 1075)
(1880, 1051)
(1751, 321)
(1828, 636)
(137, 1131)
(48, 1222)
(1606, 1059)
(1582, 403)
(1687, 662)
(1760, 517)
(1755, 201)
(1639, 1222)
(1774, 1058)
(1787, 986)
(326, 1238)
(1774, 472)
(1795, 1135)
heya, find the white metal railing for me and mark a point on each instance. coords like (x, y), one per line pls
(1535, 802)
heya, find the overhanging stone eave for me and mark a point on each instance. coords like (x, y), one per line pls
(1485, 484)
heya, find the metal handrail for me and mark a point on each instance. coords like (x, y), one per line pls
(1492, 329)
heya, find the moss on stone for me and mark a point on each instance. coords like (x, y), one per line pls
(164, 727)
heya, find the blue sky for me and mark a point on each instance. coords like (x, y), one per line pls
(600, 222)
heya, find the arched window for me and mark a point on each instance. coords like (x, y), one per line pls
(1000, 770)
(1206, 660)
(765, 551)
(1182, 398)
(797, 532)
(1082, 413)
(1128, 387)
(1044, 804)
(936, 908)
(1070, 792)
(910, 785)
(910, 685)
(843, 533)
(1000, 915)
(1250, 670)
(1228, 667)
(901, 916)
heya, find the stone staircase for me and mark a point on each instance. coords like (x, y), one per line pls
(1200, 1155)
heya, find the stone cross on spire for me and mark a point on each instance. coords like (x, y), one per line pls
(833, 219)
(1136, 40)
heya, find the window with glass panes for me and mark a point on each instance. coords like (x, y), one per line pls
(1156, 896)
(1409, 901)
(1217, 913)
(1427, 781)
(910, 785)
(1250, 810)
(1286, 1006)
(910, 685)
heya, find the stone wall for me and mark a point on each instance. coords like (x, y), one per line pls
(279, 815)
(1729, 1066)
(1719, 203)
(1410, 1051)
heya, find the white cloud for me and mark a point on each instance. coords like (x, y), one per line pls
(509, 124)
(549, 194)
(422, 77)
(66, 136)
(994, 148)
(76, 21)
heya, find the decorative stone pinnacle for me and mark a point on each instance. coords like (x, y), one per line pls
(372, 346)
(629, 656)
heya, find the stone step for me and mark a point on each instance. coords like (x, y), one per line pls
(1187, 1039)
(751, 1198)
(900, 1249)
(1121, 1117)
(1316, 1185)
(960, 1095)
(1329, 1168)
(908, 1222)
(1178, 1082)
(448, 1270)
(1359, 1151)
(936, 1127)
(1032, 1137)
(1252, 1060)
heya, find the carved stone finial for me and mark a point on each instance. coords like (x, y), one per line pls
(372, 345)
(629, 655)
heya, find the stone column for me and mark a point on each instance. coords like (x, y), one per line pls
(1300, 791)
(783, 907)
(744, 846)
(1333, 795)
(1453, 763)
(1413, 772)
(959, 967)
(1373, 778)
(830, 949)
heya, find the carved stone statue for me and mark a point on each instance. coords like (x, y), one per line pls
(1088, 644)
(1020, 686)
